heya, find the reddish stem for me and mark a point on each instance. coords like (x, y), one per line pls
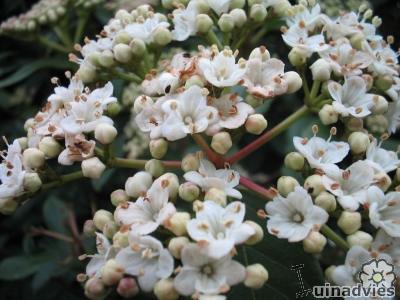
(268, 194)
(216, 159)
(269, 135)
(172, 164)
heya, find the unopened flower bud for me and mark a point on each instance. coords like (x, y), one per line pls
(349, 222)
(256, 276)
(286, 185)
(376, 21)
(281, 7)
(189, 191)
(293, 80)
(32, 182)
(112, 272)
(258, 13)
(124, 16)
(226, 23)
(321, 70)
(383, 181)
(380, 105)
(122, 37)
(294, 161)
(121, 239)
(127, 287)
(23, 142)
(256, 124)
(360, 238)
(239, 17)
(176, 246)
(260, 53)
(258, 233)
(101, 218)
(203, 23)
(357, 40)
(313, 185)
(297, 57)
(94, 288)
(113, 109)
(235, 4)
(158, 148)
(216, 195)
(86, 73)
(92, 168)
(190, 163)
(50, 147)
(105, 133)
(122, 53)
(177, 223)
(314, 243)
(172, 184)
(369, 80)
(106, 59)
(221, 142)
(119, 197)
(328, 115)
(162, 36)
(89, 229)
(138, 185)
(328, 273)
(8, 206)
(164, 290)
(109, 229)
(354, 124)
(138, 47)
(326, 201)
(33, 158)
(155, 167)
(359, 142)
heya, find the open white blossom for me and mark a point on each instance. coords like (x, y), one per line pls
(222, 70)
(185, 21)
(351, 98)
(147, 213)
(381, 159)
(209, 177)
(105, 251)
(298, 36)
(77, 148)
(188, 114)
(203, 274)
(350, 185)
(218, 229)
(386, 244)
(384, 210)
(321, 153)
(146, 30)
(295, 216)
(219, 6)
(147, 259)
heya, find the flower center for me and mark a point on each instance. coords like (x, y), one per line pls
(207, 270)
(298, 218)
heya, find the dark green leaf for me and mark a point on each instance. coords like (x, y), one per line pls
(55, 214)
(21, 266)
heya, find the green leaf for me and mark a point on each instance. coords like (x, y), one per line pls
(44, 274)
(21, 266)
(55, 214)
(277, 256)
(32, 67)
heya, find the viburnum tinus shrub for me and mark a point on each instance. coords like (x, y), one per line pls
(195, 226)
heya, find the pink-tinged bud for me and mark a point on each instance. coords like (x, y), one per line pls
(112, 272)
(256, 124)
(164, 290)
(190, 162)
(221, 142)
(256, 276)
(89, 228)
(94, 288)
(177, 223)
(176, 245)
(33, 158)
(158, 148)
(119, 197)
(127, 287)
(314, 243)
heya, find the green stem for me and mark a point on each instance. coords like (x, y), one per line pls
(334, 237)
(83, 18)
(63, 36)
(139, 163)
(212, 39)
(62, 180)
(53, 45)
(314, 91)
(269, 135)
(127, 76)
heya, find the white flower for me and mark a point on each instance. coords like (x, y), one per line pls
(184, 22)
(384, 59)
(105, 251)
(11, 172)
(393, 116)
(347, 274)
(86, 112)
(222, 70)
(203, 274)
(265, 79)
(384, 210)
(219, 6)
(381, 159)
(77, 148)
(384, 243)
(217, 229)
(310, 17)
(297, 36)
(350, 185)
(165, 83)
(345, 60)
(63, 95)
(351, 98)
(147, 259)
(188, 114)
(209, 177)
(295, 216)
(147, 213)
(145, 31)
(232, 111)
(151, 118)
(319, 152)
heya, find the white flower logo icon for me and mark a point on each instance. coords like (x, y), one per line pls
(377, 273)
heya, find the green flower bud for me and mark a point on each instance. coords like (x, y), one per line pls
(294, 161)
(122, 53)
(203, 23)
(162, 36)
(258, 13)
(226, 23)
(155, 167)
(32, 182)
